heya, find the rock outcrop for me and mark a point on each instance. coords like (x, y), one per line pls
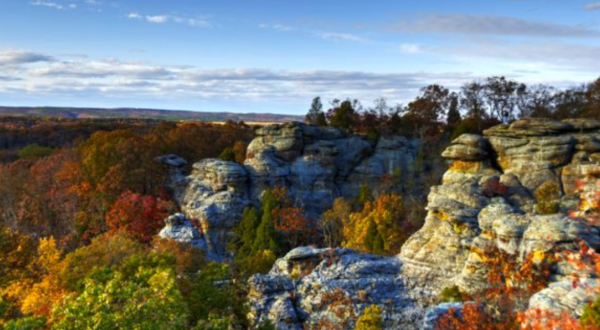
(509, 190)
(315, 165)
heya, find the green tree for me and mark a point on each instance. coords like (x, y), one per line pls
(245, 233)
(149, 300)
(265, 234)
(315, 111)
(454, 117)
(343, 116)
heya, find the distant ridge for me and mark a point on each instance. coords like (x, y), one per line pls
(175, 115)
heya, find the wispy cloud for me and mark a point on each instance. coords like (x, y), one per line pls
(592, 6)
(465, 24)
(277, 27)
(410, 48)
(157, 19)
(160, 19)
(325, 35)
(336, 36)
(53, 5)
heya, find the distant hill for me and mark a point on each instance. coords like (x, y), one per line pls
(175, 115)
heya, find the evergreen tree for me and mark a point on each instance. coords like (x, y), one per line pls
(315, 112)
(344, 116)
(321, 119)
(266, 235)
(246, 232)
(453, 113)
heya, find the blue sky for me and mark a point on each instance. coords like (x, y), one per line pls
(275, 56)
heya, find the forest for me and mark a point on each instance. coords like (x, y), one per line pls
(82, 201)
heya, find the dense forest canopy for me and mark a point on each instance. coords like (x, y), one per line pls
(81, 202)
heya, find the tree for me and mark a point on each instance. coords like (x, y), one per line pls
(265, 234)
(343, 116)
(592, 96)
(315, 112)
(473, 101)
(140, 216)
(500, 94)
(245, 234)
(332, 222)
(570, 103)
(111, 300)
(454, 117)
(431, 104)
(371, 319)
(538, 102)
(379, 228)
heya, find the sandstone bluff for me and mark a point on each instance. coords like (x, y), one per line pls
(466, 217)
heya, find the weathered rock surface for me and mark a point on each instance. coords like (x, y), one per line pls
(486, 202)
(305, 286)
(315, 164)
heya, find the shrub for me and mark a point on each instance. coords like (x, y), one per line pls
(452, 294)
(547, 196)
(370, 320)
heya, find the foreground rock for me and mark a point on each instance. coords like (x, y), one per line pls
(509, 190)
(309, 287)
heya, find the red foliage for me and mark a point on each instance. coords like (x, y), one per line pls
(140, 216)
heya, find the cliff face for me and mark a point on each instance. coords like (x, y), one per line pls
(315, 164)
(508, 190)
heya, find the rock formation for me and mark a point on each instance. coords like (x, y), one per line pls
(508, 190)
(315, 164)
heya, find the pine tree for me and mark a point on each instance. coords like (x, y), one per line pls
(247, 232)
(453, 113)
(315, 112)
(266, 235)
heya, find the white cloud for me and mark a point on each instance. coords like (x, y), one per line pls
(157, 19)
(335, 36)
(410, 48)
(592, 6)
(99, 79)
(48, 4)
(161, 19)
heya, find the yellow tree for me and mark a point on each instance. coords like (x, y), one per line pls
(378, 228)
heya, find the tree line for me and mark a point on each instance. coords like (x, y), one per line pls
(475, 106)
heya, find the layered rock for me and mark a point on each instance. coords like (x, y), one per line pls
(311, 286)
(495, 197)
(315, 165)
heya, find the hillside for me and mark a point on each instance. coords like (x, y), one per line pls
(136, 113)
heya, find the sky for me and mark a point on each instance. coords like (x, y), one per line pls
(275, 56)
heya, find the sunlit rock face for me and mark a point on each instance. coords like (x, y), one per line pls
(509, 190)
(315, 165)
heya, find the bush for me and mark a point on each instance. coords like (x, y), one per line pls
(548, 199)
(452, 294)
